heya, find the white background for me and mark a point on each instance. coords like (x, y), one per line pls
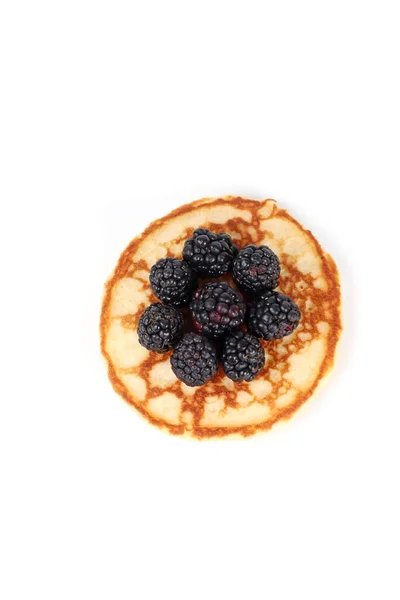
(113, 113)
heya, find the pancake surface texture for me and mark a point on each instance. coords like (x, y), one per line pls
(295, 365)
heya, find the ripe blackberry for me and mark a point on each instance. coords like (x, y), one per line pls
(217, 309)
(256, 268)
(194, 361)
(209, 254)
(172, 280)
(160, 327)
(243, 356)
(273, 316)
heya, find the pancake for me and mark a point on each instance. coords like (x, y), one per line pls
(295, 365)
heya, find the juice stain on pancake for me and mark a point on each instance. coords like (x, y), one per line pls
(295, 365)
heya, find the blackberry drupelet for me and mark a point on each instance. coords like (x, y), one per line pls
(173, 281)
(256, 268)
(273, 316)
(217, 309)
(194, 360)
(160, 327)
(209, 254)
(243, 356)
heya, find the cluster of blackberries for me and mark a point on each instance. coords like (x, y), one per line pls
(218, 310)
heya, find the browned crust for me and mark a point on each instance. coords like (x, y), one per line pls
(124, 266)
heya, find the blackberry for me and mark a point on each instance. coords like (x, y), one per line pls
(217, 309)
(173, 281)
(273, 316)
(256, 268)
(243, 356)
(209, 254)
(160, 327)
(194, 361)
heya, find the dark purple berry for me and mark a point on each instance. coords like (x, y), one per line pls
(172, 281)
(160, 327)
(194, 360)
(256, 268)
(209, 254)
(243, 356)
(272, 316)
(217, 309)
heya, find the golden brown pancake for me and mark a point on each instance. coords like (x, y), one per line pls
(295, 365)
